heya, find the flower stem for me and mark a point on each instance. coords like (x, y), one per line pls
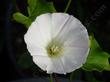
(56, 78)
(71, 77)
(67, 6)
(51, 78)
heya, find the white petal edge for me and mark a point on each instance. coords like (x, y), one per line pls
(58, 21)
(74, 58)
(56, 66)
(42, 62)
(38, 34)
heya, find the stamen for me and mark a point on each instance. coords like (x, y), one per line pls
(54, 49)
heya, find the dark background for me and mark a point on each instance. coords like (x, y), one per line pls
(94, 14)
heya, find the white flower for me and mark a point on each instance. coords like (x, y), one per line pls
(58, 42)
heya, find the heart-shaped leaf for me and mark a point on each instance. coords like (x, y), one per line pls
(98, 59)
(37, 7)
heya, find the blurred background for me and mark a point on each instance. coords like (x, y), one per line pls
(16, 63)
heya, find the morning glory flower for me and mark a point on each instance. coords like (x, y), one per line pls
(57, 42)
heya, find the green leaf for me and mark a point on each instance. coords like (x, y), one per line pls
(19, 17)
(98, 59)
(37, 7)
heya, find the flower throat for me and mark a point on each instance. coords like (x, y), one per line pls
(54, 48)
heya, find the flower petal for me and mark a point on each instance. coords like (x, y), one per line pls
(42, 61)
(73, 58)
(56, 66)
(37, 51)
(81, 39)
(74, 33)
(58, 21)
(44, 23)
(50, 65)
(38, 34)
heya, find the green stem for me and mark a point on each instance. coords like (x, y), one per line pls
(51, 78)
(67, 6)
(56, 79)
(71, 77)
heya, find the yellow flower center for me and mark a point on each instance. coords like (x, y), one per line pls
(54, 48)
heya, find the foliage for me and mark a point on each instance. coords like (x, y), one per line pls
(35, 8)
(98, 59)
